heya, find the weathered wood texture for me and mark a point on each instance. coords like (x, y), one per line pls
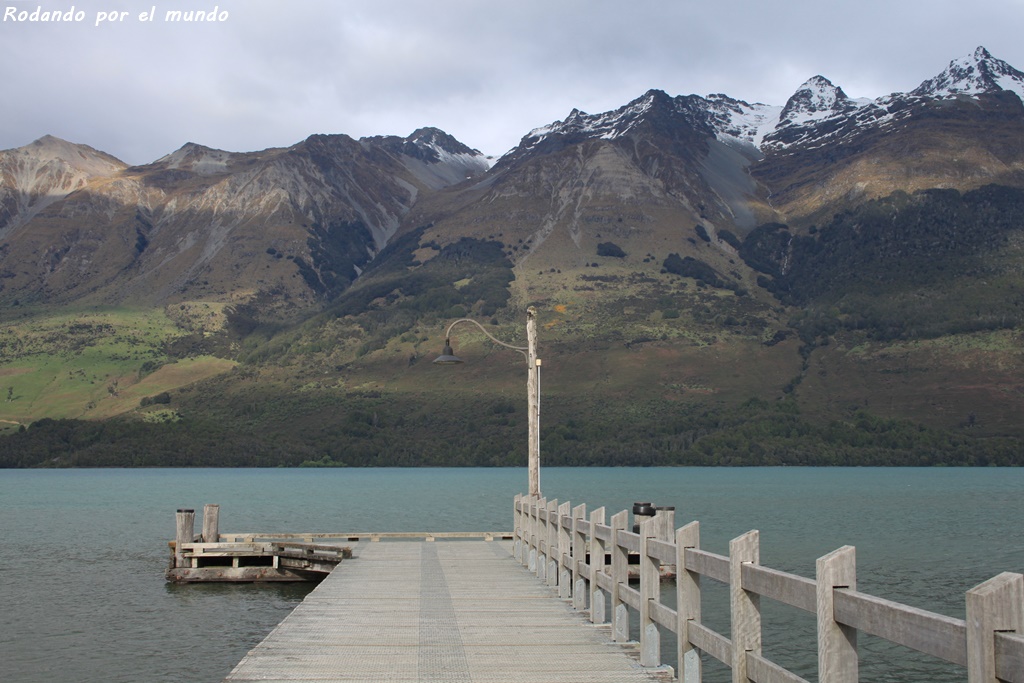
(253, 557)
(253, 562)
(990, 643)
(463, 612)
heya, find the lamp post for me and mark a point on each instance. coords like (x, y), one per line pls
(529, 351)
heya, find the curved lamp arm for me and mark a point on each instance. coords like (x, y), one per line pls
(532, 385)
(448, 354)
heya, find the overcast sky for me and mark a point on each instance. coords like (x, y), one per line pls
(485, 71)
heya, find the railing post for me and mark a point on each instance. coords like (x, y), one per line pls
(659, 528)
(579, 551)
(551, 543)
(597, 601)
(185, 521)
(996, 605)
(517, 527)
(524, 527)
(564, 550)
(745, 607)
(529, 552)
(539, 559)
(837, 643)
(211, 523)
(620, 577)
(687, 605)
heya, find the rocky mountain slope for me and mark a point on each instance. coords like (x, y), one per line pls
(702, 260)
(286, 228)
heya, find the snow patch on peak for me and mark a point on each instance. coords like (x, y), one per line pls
(738, 120)
(975, 74)
(817, 98)
(607, 126)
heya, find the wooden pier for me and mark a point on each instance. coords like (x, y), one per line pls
(465, 610)
(459, 611)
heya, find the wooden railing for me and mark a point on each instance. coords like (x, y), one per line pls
(587, 559)
(372, 536)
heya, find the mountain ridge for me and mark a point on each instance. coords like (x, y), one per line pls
(697, 260)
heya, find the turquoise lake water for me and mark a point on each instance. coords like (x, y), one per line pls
(83, 551)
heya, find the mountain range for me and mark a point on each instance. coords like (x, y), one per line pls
(845, 256)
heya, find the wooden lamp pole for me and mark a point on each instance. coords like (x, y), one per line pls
(448, 357)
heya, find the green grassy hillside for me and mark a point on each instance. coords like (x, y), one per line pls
(891, 335)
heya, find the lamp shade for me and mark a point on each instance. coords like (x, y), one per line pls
(447, 356)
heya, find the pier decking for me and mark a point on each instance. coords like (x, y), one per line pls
(552, 601)
(451, 610)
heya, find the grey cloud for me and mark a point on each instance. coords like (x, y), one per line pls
(487, 72)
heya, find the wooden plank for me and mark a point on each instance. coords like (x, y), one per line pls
(789, 589)
(663, 616)
(629, 541)
(235, 575)
(1010, 657)
(460, 612)
(715, 644)
(707, 564)
(361, 535)
(602, 532)
(665, 551)
(764, 671)
(934, 634)
(630, 596)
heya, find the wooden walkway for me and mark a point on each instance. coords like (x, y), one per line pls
(451, 611)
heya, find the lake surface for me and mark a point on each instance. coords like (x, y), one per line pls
(83, 551)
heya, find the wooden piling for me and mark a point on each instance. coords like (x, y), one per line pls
(211, 523)
(185, 533)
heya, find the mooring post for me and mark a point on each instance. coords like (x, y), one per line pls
(186, 533)
(211, 523)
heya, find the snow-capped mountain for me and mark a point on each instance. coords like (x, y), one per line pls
(300, 224)
(818, 112)
(974, 74)
(648, 109)
(436, 158)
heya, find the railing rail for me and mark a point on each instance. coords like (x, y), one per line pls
(372, 536)
(571, 550)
